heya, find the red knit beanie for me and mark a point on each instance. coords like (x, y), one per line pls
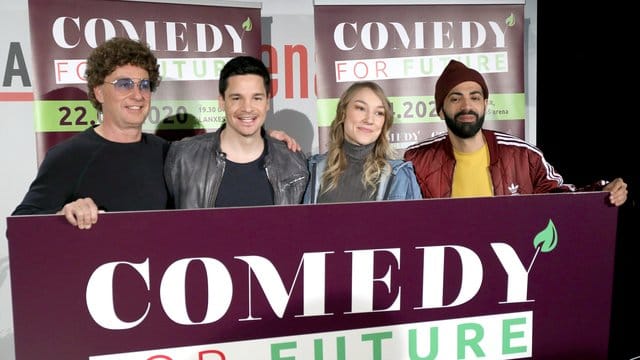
(455, 73)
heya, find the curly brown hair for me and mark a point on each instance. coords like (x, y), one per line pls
(116, 52)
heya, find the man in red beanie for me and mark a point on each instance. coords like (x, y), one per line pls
(471, 161)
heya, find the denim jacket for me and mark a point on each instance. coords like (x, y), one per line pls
(398, 184)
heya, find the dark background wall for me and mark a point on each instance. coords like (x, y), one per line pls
(588, 110)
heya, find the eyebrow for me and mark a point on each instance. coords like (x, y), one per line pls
(474, 92)
(381, 106)
(252, 95)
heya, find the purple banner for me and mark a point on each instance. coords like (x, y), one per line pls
(501, 278)
(405, 48)
(192, 44)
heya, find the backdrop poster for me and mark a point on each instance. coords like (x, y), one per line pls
(404, 48)
(483, 278)
(192, 43)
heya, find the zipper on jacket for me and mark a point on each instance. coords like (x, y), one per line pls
(294, 181)
(214, 193)
(313, 183)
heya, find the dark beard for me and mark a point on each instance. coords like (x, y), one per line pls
(464, 130)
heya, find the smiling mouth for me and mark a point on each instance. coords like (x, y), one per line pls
(467, 118)
(247, 118)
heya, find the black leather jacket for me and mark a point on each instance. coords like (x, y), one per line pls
(194, 167)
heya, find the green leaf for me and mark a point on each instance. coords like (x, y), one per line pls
(546, 239)
(511, 20)
(247, 25)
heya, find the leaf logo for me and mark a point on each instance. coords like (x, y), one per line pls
(247, 25)
(546, 239)
(511, 20)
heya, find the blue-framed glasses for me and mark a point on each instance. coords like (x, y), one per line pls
(125, 85)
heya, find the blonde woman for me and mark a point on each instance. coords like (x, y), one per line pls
(360, 163)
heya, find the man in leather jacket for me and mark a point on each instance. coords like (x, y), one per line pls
(237, 165)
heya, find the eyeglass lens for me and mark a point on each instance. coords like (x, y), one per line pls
(127, 84)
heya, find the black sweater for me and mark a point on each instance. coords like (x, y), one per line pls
(117, 176)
